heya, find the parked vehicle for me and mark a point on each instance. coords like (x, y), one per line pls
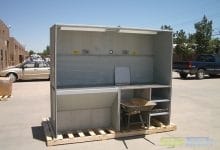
(28, 70)
(204, 64)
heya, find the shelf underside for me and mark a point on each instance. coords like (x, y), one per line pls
(64, 91)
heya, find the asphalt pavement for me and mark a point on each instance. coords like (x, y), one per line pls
(195, 111)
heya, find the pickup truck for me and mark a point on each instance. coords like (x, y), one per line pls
(204, 64)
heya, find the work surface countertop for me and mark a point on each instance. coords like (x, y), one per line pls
(116, 88)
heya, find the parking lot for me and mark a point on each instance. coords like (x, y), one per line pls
(195, 111)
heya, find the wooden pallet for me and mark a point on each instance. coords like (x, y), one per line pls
(96, 134)
(4, 97)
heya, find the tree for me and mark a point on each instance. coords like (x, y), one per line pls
(203, 35)
(166, 27)
(31, 52)
(191, 43)
(182, 48)
(191, 38)
(214, 45)
(180, 37)
(46, 52)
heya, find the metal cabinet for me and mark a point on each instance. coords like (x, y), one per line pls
(94, 67)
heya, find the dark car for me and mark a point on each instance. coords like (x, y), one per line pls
(204, 64)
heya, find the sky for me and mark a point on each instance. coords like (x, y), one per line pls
(30, 20)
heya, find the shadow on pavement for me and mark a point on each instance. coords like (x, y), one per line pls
(38, 133)
(132, 138)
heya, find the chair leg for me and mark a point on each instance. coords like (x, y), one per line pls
(148, 120)
(141, 119)
(128, 123)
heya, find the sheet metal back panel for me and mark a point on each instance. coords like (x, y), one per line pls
(85, 71)
(100, 43)
(84, 59)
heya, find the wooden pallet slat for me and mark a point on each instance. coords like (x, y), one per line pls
(111, 131)
(4, 97)
(97, 134)
(91, 132)
(152, 127)
(102, 132)
(70, 135)
(59, 137)
(80, 133)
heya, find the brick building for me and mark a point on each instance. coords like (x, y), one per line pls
(11, 51)
(16, 52)
(4, 41)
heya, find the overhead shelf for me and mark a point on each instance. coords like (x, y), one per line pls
(108, 29)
